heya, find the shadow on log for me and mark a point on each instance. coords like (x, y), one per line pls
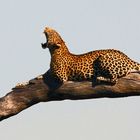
(39, 90)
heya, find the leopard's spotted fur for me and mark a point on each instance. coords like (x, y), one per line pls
(107, 64)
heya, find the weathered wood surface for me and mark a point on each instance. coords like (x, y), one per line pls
(40, 90)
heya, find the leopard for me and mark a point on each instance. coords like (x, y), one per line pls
(106, 65)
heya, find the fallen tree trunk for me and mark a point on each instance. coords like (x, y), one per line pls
(40, 90)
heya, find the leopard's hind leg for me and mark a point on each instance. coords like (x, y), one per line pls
(103, 73)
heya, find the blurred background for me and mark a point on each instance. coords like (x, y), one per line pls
(85, 25)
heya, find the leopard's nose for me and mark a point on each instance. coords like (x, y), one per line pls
(44, 45)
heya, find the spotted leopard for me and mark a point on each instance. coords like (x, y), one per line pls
(108, 65)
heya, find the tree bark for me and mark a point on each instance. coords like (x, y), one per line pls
(48, 89)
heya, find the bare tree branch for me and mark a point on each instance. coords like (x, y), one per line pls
(44, 90)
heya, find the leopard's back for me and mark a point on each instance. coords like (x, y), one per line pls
(110, 64)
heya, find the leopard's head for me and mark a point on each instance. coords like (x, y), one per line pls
(53, 39)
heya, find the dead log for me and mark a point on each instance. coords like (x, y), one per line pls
(45, 89)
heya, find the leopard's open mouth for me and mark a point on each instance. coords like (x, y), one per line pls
(45, 45)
